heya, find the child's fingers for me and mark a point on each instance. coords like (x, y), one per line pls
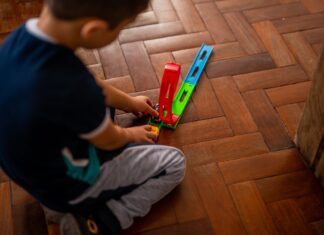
(152, 136)
(152, 112)
(147, 127)
(149, 102)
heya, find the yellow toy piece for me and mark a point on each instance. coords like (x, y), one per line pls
(155, 130)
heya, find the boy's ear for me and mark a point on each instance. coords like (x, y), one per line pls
(92, 27)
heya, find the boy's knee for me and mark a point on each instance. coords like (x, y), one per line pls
(179, 165)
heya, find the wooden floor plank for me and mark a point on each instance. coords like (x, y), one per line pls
(159, 61)
(162, 214)
(215, 23)
(194, 227)
(123, 83)
(217, 200)
(290, 115)
(288, 218)
(6, 222)
(238, 5)
(144, 18)
(242, 65)
(267, 120)
(221, 52)
(225, 149)
(164, 10)
(3, 176)
(205, 100)
(114, 66)
(318, 227)
(187, 202)
(274, 44)
(289, 94)
(275, 12)
(314, 6)
(261, 166)
(303, 52)
(314, 35)
(179, 42)
(317, 47)
(20, 196)
(150, 32)
(141, 70)
(311, 206)
(189, 16)
(252, 209)
(244, 33)
(298, 23)
(97, 71)
(26, 216)
(196, 132)
(233, 105)
(289, 185)
(88, 57)
(270, 78)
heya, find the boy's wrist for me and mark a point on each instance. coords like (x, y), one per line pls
(132, 106)
(128, 135)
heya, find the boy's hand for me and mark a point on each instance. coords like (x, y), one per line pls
(141, 134)
(143, 105)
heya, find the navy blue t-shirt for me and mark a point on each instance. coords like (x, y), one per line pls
(48, 99)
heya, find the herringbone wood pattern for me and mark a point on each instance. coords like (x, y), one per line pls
(245, 176)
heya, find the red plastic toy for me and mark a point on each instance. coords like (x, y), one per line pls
(168, 88)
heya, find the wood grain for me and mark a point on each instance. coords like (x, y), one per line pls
(114, 66)
(187, 202)
(303, 52)
(237, 5)
(189, 16)
(261, 166)
(217, 200)
(233, 105)
(215, 23)
(275, 12)
(290, 115)
(298, 23)
(141, 70)
(288, 218)
(289, 94)
(244, 33)
(252, 209)
(225, 149)
(221, 52)
(242, 65)
(274, 44)
(267, 120)
(204, 98)
(6, 222)
(195, 132)
(179, 42)
(270, 78)
(289, 185)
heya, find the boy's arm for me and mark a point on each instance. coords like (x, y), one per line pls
(118, 99)
(114, 137)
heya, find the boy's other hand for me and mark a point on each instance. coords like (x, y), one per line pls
(142, 105)
(141, 134)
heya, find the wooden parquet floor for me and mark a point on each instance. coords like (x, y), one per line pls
(244, 175)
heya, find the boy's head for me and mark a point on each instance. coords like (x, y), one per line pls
(99, 21)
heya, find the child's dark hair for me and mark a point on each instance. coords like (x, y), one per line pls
(113, 11)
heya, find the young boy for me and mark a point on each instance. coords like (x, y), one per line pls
(58, 140)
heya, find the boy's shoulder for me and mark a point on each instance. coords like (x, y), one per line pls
(30, 49)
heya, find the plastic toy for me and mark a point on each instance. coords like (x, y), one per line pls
(155, 130)
(171, 109)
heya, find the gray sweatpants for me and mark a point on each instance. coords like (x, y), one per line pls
(138, 165)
